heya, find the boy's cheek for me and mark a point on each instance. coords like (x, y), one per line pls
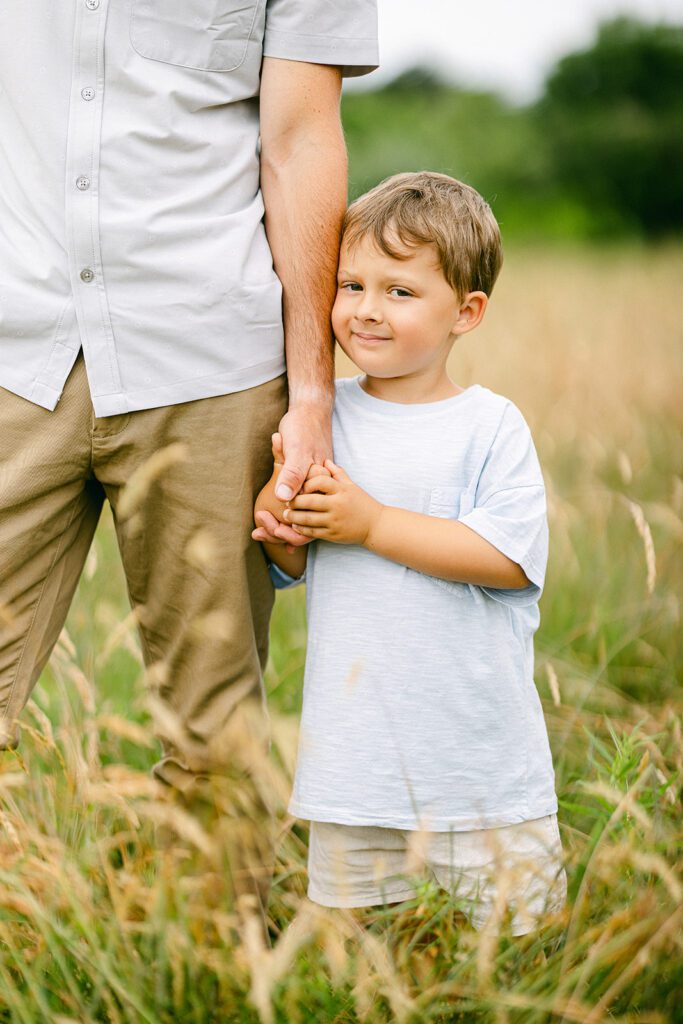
(340, 319)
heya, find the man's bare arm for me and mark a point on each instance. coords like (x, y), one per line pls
(303, 180)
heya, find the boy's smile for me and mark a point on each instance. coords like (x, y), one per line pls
(397, 319)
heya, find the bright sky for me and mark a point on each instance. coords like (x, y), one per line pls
(506, 45)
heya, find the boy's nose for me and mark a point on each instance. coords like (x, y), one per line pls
(369, 312)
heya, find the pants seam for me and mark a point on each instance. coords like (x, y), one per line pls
(35, 612)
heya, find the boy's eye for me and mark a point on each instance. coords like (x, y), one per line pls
(401, 292)
(351, 286)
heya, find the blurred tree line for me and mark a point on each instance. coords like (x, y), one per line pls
(599, 155)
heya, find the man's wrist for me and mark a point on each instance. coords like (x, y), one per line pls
(319, 400)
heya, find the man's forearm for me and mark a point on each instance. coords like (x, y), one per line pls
(304, 190)
(442, 547)
(303, 181)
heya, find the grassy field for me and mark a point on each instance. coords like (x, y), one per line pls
(98, 922)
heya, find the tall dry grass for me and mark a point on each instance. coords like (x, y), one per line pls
(115, 902)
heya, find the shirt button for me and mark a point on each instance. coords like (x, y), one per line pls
(83, 183)
(87, 275)
(88, 93)
(92, 5)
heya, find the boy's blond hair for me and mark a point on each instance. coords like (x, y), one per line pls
(426, 208)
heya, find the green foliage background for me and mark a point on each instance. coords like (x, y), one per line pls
(598, 156)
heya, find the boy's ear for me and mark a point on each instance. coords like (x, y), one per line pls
(471, 312)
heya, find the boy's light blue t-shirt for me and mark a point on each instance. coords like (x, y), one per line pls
(420, 709)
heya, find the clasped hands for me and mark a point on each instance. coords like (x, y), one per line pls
(329, 506)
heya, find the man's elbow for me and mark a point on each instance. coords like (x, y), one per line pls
(290, 146)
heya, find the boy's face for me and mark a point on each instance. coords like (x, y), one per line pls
(397, 317)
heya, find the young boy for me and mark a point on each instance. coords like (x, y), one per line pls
(420, 715)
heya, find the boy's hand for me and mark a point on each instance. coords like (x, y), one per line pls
(333, 508)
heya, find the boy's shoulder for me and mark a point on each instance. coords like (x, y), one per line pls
(502, 405)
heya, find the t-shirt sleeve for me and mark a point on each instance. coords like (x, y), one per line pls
(324, 32)
(510, 507)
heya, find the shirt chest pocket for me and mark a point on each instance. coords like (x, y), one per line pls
(450, 502)
(207, 35)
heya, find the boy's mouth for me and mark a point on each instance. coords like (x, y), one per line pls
(369, 338)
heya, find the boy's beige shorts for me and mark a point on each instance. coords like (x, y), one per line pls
(198, 583)
(486, 870)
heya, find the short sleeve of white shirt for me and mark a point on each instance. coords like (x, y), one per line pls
(510, 507)
(323, 32)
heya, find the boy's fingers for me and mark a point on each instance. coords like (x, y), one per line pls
(309, 502)
(305, 518)
(272, 531)
(266, 519)
(317, 470)
(322, 484)
(336, 471)
(264, 536)
(287, 535)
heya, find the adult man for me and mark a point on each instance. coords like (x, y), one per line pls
(141, 316)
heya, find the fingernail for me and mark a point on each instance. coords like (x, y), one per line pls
(285, 513)
(283, 492)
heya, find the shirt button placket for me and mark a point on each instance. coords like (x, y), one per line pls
(82, 198)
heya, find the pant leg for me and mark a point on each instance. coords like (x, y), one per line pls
(356, 866)
(519, 866)
(197, 581)
(49, 508)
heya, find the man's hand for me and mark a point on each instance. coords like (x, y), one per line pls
(270, 530)
(334, 508)
(268, 509)
(306, 432)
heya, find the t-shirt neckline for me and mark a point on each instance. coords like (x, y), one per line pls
(405, 409)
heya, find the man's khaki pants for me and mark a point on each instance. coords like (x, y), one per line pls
(198, 583)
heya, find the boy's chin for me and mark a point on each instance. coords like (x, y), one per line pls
(382, 373)
(369, 364)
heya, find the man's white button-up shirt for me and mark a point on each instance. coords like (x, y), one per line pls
(131, 221)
